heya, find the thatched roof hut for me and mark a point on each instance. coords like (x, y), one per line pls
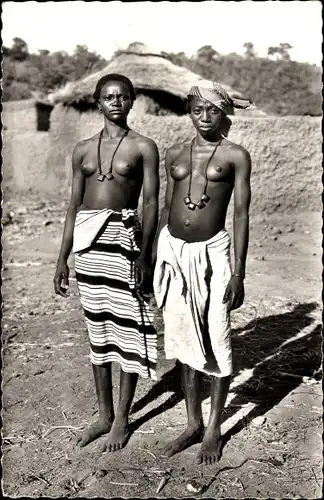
(152, 75)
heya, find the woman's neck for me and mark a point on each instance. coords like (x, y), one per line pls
(115, 129)
(206, 139)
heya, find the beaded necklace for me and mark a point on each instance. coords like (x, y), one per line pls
(109, 175)
(204, 198)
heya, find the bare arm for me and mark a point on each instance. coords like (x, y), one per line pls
(169, 158)
(234, 294)
(151, 186)
(78, 182)
(77, 191)
(242, 198)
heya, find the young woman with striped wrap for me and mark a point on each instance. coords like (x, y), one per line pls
(113, 254)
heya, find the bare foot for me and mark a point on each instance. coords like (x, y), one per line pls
(211, 449)
(190, 436)
(92, 432)
(117, 438)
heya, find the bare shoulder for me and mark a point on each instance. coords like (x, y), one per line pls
(82, 146)
(238, 155)
(174, 151)
(79, 150)
(145, 144)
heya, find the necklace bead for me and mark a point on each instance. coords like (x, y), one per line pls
(204, 198)
(200, 204)
(109, 175)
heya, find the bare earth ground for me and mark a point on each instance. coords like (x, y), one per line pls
(273, 420)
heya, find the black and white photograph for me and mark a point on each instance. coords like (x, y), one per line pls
(162, 203)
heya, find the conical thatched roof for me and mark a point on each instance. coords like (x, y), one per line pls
(148, 71)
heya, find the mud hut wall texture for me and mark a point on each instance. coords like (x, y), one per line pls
(24, 150)
(23, 168)
(19, 115)
(286, 153)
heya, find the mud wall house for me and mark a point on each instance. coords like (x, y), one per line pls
(19, 116)
(24, 151)
(28, 115)
(161, 90)
(278, 145)
(39, 163)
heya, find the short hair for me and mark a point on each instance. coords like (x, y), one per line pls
(116, 78)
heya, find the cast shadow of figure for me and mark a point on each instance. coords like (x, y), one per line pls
(266, 388)
(257, 346)
(169, 382)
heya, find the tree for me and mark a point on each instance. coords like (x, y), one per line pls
(249, 50)
(274, 52)
(19, 49)
(9, 72)
(280, 52)
(284, 47)
(60, 56)
(206, 54)
(86, 61)
(43, 52)
(6, 51)
(17, 91)
(178, 59)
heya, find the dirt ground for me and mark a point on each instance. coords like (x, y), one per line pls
(272, 424)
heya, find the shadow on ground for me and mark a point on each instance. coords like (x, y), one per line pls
(267, 346)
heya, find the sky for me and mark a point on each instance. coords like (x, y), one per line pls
(169, 26)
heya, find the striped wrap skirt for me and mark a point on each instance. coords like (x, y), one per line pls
(120, 325)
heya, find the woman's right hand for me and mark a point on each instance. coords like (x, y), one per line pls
(61, 279)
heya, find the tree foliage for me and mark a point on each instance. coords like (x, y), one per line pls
(280, 52)
(278, 87)
(275, 83)
(26, 73)
(249, 50)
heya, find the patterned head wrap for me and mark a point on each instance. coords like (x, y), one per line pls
(217, 95)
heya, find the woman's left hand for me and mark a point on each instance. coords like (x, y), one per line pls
(141, 272)
(234, 294)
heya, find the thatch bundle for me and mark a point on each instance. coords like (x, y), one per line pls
(151, 74)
